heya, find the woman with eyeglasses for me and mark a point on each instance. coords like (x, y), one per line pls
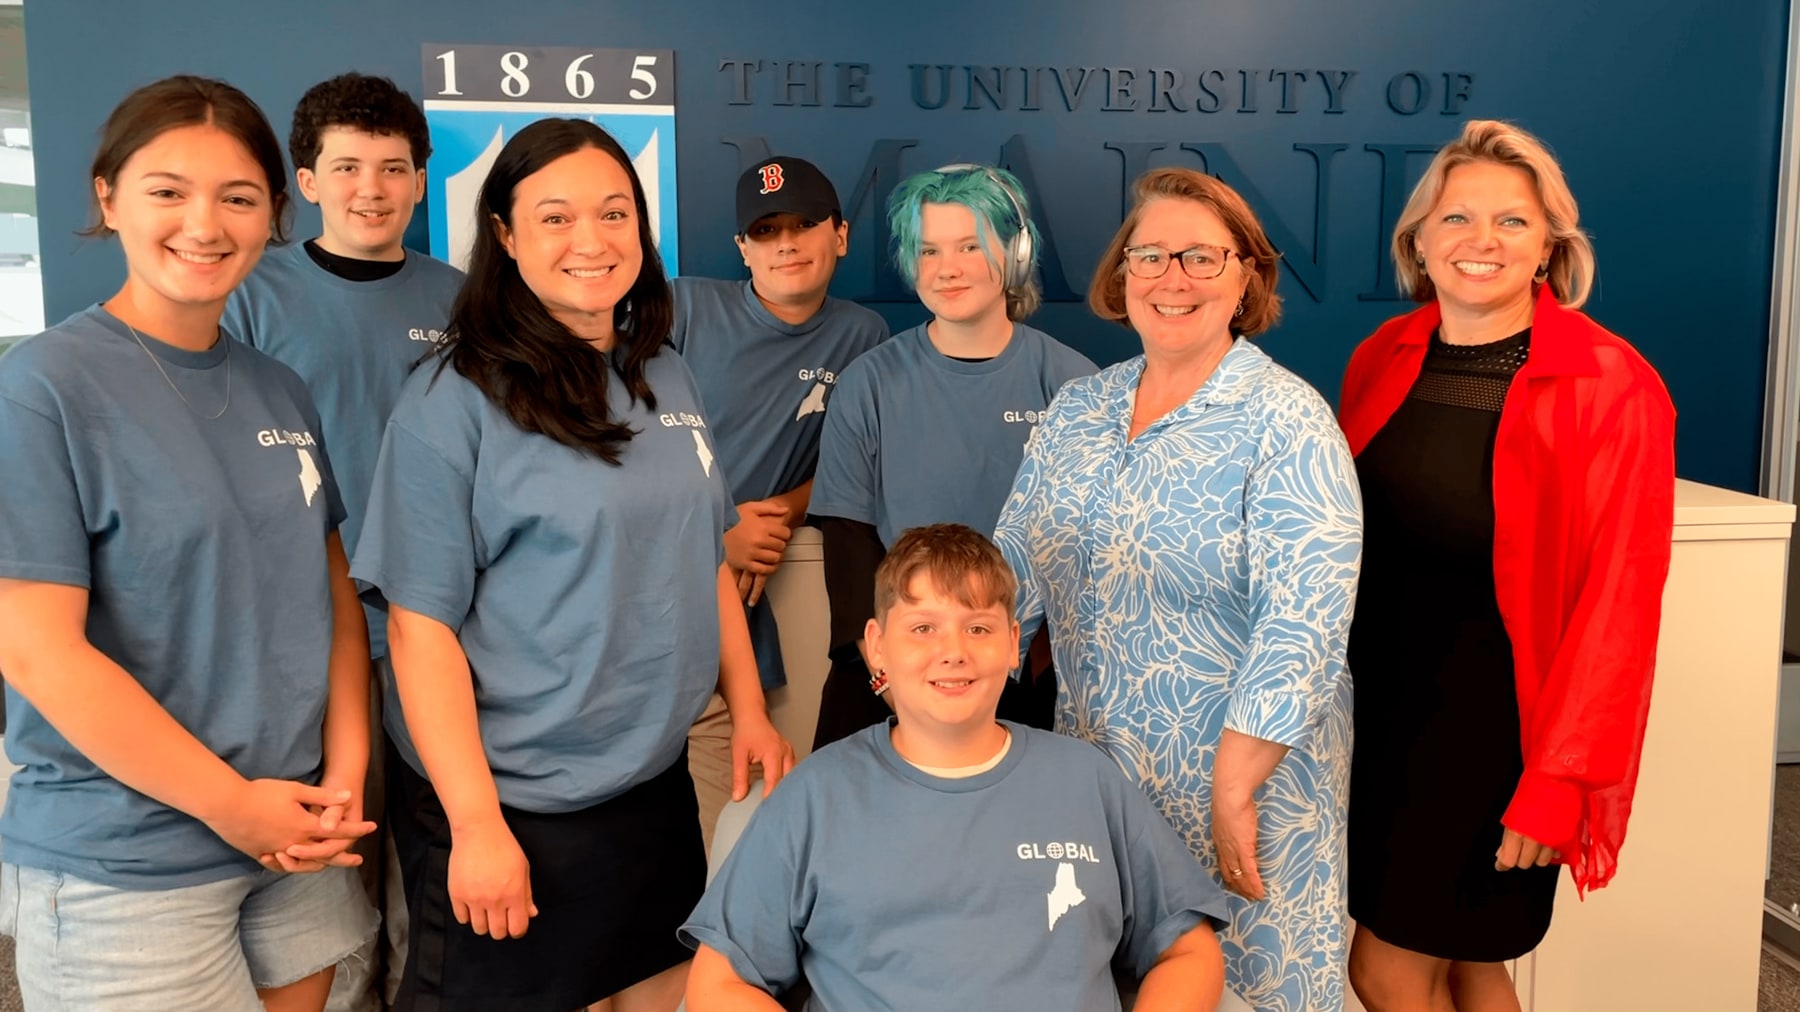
(1518, 464)
(1189, 525)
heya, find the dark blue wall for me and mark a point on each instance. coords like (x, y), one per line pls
(1666, 116)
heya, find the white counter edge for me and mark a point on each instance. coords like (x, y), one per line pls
(1697, 504)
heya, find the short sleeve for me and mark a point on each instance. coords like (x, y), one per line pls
(417, 547)
(1166, 891)
(309, 409)
(728, 513)
(721, 489)
(847, 482)
(334, 499)
(747, 914)
(1020, 514)
(237, 321)
(1066, 364)
(684, 304)
(43, 533)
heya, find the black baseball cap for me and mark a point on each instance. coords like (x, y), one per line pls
(784, 186)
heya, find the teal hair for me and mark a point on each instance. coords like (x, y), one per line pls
(984, 192)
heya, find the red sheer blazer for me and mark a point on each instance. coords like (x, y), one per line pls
(1584, 505)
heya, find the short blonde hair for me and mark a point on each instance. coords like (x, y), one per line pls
(1571, 273)
(1262, 307)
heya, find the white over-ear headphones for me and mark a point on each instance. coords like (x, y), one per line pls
(1015, 272)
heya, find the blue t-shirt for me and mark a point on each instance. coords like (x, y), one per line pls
(765, 383)
(354, 343)
(585, 595)
(915, 437)
(1018, 888)
(201, 543)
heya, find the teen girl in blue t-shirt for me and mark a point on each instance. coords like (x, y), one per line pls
(185, 657)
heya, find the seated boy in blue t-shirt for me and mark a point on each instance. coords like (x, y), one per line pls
(945, 860)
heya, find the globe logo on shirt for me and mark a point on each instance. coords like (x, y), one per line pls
(310, 478)
(814, 404)
(1065, 895)
(703, 451)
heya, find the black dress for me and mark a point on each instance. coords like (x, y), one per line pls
(1437, 754)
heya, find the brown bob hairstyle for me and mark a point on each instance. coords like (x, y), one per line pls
(183, 101)
(1262, 307)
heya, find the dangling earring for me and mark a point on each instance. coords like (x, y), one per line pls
(1543, 273)
(1240, 308)
(878, 682)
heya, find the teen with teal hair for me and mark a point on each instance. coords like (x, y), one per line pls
(929, 427)
(997, 211)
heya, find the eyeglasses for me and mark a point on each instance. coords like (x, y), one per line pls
(1202, 262)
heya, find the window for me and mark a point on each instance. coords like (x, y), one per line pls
(21, 281)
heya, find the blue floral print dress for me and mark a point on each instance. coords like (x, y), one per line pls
(1199, 577)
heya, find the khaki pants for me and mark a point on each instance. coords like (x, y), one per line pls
(709, 761)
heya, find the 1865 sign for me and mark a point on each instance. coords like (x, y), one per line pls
(476, 97)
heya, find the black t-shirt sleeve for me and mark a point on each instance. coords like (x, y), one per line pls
(852, 551)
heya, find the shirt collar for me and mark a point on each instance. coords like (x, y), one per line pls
(1237, 375)
(1233, 380)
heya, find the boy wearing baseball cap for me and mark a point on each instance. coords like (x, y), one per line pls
(944, 859)
(765, 353)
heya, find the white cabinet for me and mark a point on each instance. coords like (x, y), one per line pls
(1680, 926)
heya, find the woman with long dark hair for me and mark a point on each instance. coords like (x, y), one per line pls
(546, 528)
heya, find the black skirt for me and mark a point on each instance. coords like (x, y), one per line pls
(1437, 754)
(611, 882)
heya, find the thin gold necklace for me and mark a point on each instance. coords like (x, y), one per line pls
(215, 416)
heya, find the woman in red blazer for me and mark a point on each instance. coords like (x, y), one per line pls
(1517, 468)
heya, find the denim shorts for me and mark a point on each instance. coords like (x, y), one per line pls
(83, 945)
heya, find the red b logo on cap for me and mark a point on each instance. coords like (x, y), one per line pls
(771, 175)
